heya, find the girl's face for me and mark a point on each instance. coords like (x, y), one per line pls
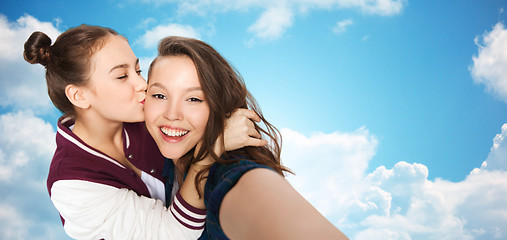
(175, 111)
(116, 87)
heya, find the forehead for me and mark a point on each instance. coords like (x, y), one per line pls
(174, 70)
(115, 50)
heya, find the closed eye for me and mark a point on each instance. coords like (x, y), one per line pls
(122, 77)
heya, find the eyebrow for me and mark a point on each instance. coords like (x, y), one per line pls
(159, 85)
(190, 89)
(125, 65)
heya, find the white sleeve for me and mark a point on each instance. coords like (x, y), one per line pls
(95, 211)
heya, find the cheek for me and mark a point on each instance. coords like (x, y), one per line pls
(200, 118)
(108, 88)
(150, 113)
(203, 119)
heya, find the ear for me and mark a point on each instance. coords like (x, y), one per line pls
(77, 96)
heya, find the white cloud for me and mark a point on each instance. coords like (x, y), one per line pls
(14, 226)
(273, 23)
(497, 158)
(341, 26)
(22, 85)
(27, 144)
(152, 37)
(146, 22)
(396, 203)
(380, 7)
(489, 65)
(279, 15)
(144, 64)
(14, 35)
(26, 141)
(329, 169)
(481, 204)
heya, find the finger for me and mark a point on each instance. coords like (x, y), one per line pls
(248, 113)
(253, 133)
(255, 142)
(250, 123)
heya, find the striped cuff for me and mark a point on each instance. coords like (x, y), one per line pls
(186, 214)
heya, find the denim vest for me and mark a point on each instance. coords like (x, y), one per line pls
(221, 179)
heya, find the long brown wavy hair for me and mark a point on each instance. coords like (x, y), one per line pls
(224, 91)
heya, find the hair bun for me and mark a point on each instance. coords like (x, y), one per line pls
(37, 48)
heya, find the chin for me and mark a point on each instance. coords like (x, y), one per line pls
(135, 119)
(140, 118)
(172, 155)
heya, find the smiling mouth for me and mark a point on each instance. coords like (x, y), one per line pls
(171, 132)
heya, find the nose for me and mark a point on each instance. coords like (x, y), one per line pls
(140, 84)
(173, 111)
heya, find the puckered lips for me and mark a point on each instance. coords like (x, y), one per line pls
(173, 134)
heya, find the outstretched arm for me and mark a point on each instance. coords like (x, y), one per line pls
(263, 205)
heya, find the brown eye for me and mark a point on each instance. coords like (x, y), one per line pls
(158, 96)
(194, 99)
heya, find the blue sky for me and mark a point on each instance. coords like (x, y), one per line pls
(381, 95)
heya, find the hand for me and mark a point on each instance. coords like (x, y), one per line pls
(240, 130)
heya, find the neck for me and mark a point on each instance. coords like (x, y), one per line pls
(179, 162)
(98, 132)
(175, 161)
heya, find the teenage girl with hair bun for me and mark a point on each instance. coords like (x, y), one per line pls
(106, 177)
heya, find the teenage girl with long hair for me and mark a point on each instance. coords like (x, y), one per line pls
(192, 90)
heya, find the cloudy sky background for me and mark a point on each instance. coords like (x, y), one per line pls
(392, 111)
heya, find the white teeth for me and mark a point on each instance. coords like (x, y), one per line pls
(173, 132)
